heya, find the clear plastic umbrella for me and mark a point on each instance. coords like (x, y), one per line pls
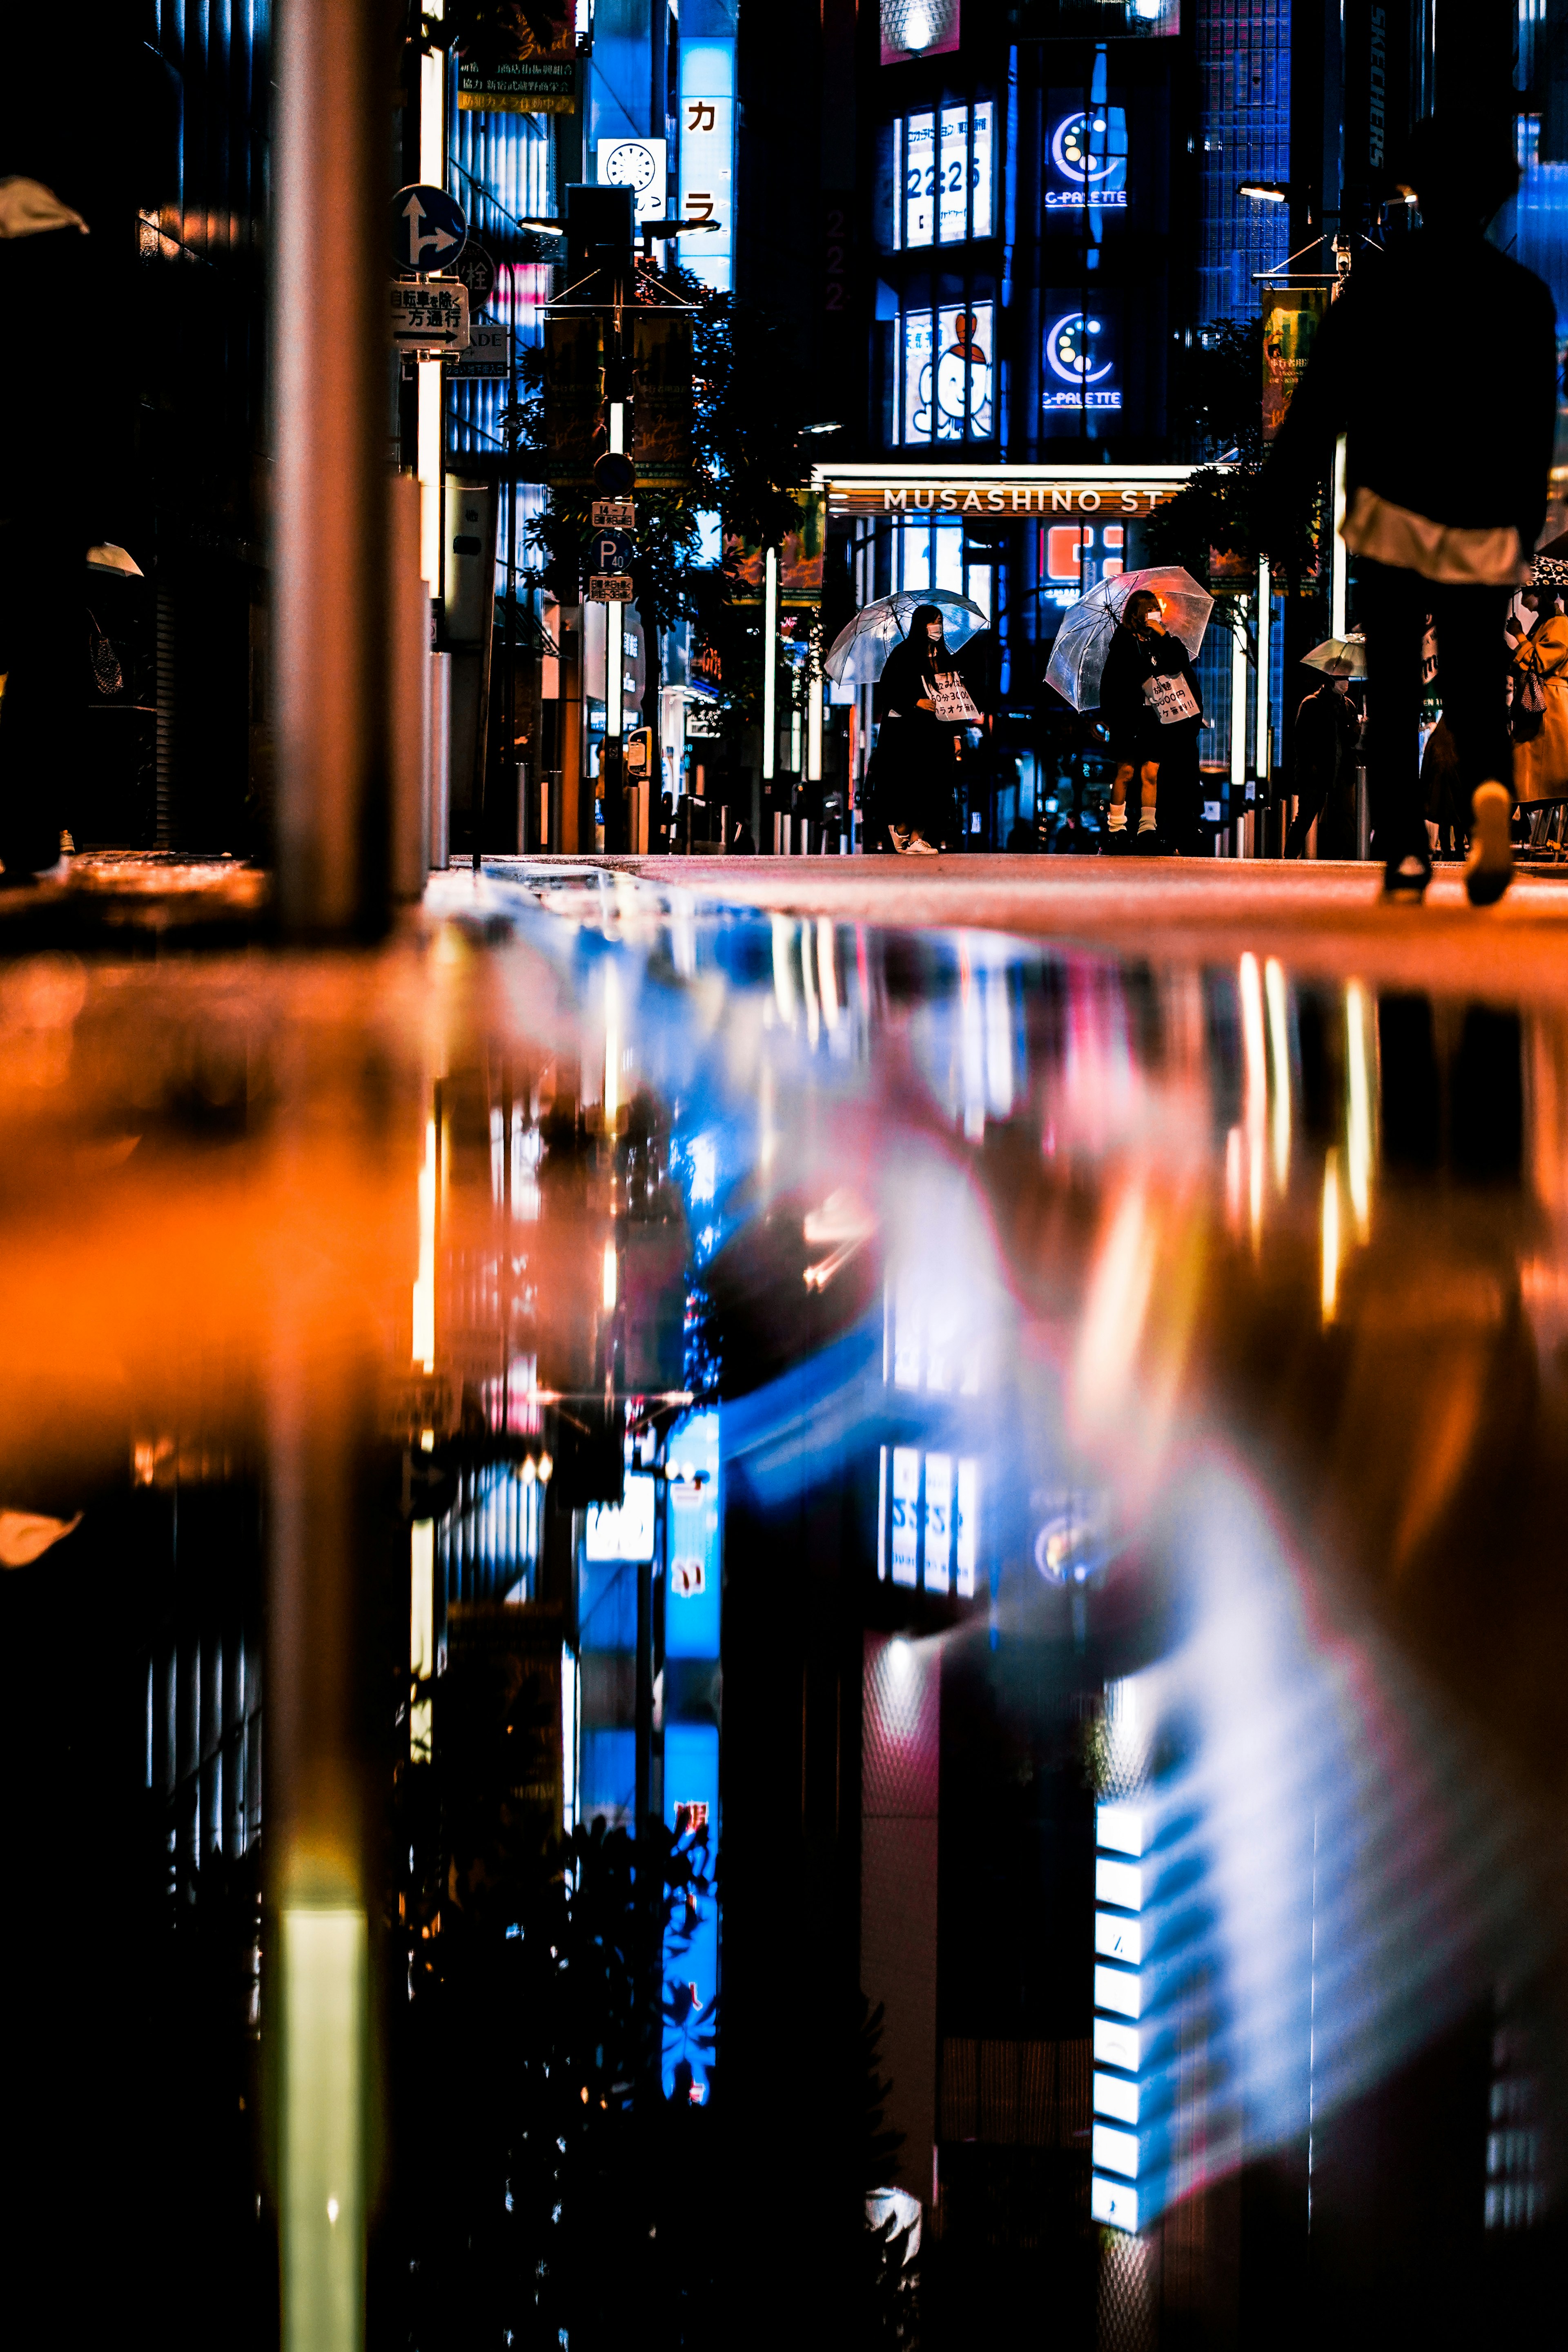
(1078, 658)
(859, 651)
(1348, 653)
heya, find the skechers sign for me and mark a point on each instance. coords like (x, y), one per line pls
(1088, 161)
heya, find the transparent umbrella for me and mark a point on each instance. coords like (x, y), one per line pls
(859, 651)
(1078, 658)
(1347, 654)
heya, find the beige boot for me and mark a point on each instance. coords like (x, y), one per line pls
(1489, 869)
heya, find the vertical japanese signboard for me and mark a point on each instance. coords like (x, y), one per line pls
(572, 395)
(1291, 316)
(707, 180)
(661, 359)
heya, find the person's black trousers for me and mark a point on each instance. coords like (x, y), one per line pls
(1472, 677)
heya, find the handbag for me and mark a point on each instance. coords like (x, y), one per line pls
(1169, 698)
(1527, 715)
(951, 702)
(104, 662)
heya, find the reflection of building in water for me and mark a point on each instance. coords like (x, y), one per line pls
(197, 1500)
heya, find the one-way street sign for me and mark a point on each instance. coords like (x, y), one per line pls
(432, 316)
(428, 229)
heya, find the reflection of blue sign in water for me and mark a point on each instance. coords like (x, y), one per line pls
(1078, 363)
(1088, 152)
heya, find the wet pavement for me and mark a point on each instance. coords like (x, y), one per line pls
(1020, 1412)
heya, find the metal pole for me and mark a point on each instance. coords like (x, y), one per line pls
(770, 655)
(330, 677)
(1264, 709)
(1338, 558)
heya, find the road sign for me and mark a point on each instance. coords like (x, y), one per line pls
(430, 315)
(610, 588)
(485, 358)
(478, 272)
(613, 514)
(610, 551)
(613, 473)
(428, 229)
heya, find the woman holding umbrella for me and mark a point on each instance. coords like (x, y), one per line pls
(1150, 700)
(916, 755)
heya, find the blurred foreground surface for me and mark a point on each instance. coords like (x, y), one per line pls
(1022, 1477)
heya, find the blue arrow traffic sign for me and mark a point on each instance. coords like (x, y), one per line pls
(428, 230)
(610, 551)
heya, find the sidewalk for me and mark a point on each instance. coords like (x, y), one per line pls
(1318, 918)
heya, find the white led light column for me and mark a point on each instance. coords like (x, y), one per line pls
(1119, 2035)
(770, 660)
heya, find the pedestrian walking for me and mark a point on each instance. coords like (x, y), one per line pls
(1439, 363)
(916, 750)
(1541, 713)
(1152, 708)
(1327, 728)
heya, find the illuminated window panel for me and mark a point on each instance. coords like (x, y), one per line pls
(980, 171)
(920, 179)
(906, 1513)
(1116, 2097)
(1119, 1882)
(968, 1513)
(1114, 2151)
(938, 1521)
(1118, 1989)
(1114, 2202)
(1116, 2044)
(1120, 1827)
(1119, 1938)
(953, 176)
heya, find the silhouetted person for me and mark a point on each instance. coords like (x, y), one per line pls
(1438, 362)
(1327, 731)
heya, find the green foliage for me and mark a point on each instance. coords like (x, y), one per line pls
(749, 403)
(1218, 389)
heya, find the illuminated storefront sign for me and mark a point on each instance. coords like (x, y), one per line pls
(934, 1528)
(637, 164)
(923, 491)
(1087, 159)
(943, 165)
(707, 180)
(1119, 2035)
(946, 370)
(918, 28)
(1080, 366)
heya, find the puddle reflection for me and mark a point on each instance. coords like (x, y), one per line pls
(1026, 1485)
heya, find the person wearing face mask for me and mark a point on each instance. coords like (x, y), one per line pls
(1151, 704)
(915, 752)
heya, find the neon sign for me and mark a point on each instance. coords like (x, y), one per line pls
(1078, 363)
(1088, 152)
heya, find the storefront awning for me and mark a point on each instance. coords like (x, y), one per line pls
(995, 493)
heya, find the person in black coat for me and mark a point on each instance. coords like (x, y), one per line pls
(1327, 732)
(1439, 363)
(916, 755)
(1152, 706)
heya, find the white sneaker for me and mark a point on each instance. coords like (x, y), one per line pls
(919, 846)
(899, 835)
